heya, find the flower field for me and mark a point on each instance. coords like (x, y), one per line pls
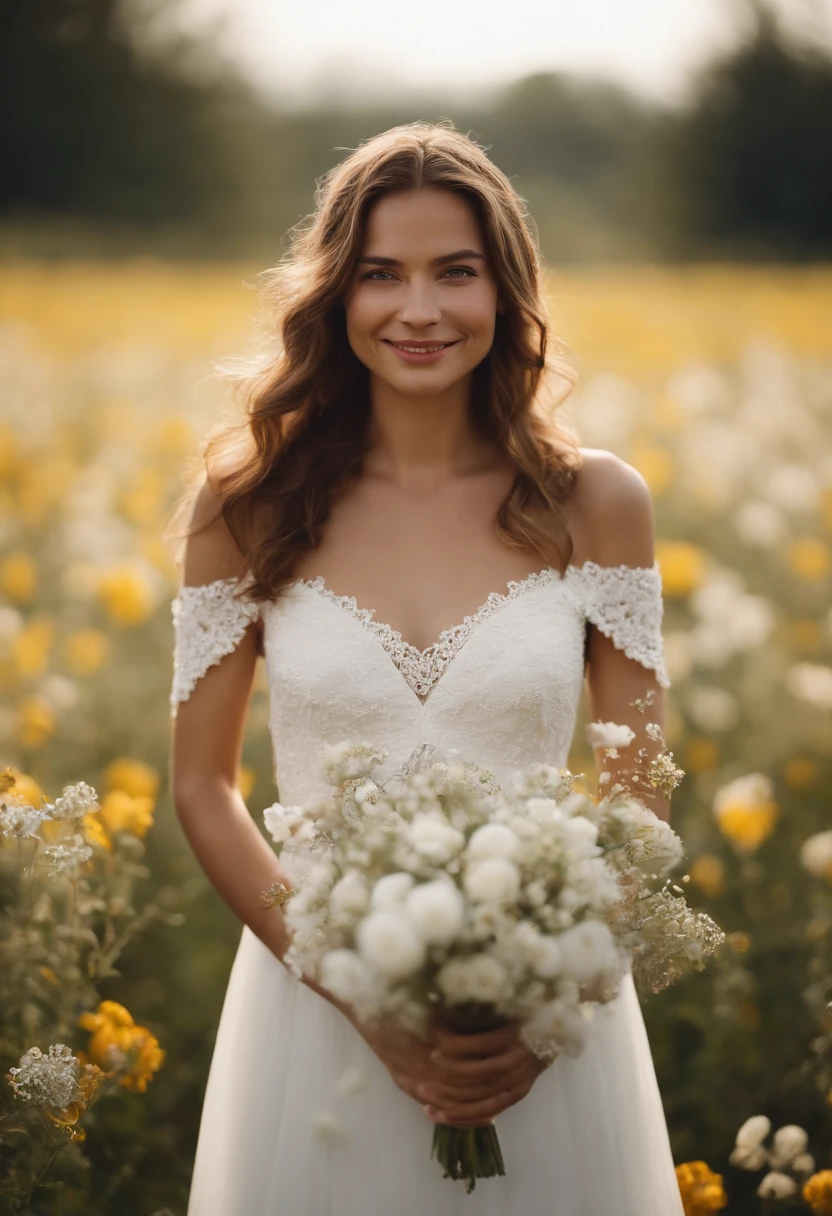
(716, 383)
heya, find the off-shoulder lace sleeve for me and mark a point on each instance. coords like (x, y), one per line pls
(208, 623)
(625, 604)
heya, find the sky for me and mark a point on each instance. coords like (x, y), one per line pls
(303, 49)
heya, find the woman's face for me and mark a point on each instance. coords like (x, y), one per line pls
(422, 281)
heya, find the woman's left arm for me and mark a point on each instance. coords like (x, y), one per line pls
(619, 512)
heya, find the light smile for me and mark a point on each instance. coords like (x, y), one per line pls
(427, 348)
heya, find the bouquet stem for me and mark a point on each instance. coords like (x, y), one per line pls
(468, 1153)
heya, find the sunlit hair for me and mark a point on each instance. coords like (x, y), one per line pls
(303, 433)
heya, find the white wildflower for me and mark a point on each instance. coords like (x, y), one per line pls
(811, 682)
(609, 734)
(347, 761)
(477, 978)
(803, 1163)
(75, 801)
(582, 837)
(281, 821)
(776, 1186)
(816, 854)
(713, 709)
(587, 950)
(752, 790)
(494, 881)
(65, 858)
(47, 1080)
(21, 821)
(437, 911)
(753, 1132)
(389, 943)
(492, 840)
(536, 949)
(390, 891)
(754, 1157)
(559, 1025)
(434, 839)
(789, 1141)
(760, 524)
(345, 974)
(349, 896)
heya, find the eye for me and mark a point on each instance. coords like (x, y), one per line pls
(372, 273)
(466, 271)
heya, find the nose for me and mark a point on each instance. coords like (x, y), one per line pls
(419, 305)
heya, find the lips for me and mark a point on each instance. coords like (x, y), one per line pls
(421, 348)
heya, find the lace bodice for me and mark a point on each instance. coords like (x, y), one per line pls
(502, 688)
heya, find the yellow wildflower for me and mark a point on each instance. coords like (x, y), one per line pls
(175, 436)
(18, 576)
(86, 651)
(656, 466)
(809, 558)
(50, 976)
(35, 722)
(134, 777)
(122, 812)
(90, 1077)
(682, 567)
(740, 942)
(18, 788)
(817, 1191)
(746, 812)
(31, 646)
(708, 873)
(142, 500)
(119, 1045)
(701, 754)
(127, 594)
(701, 1189)
(95, 832)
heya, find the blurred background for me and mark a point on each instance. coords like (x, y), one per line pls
(676, 159)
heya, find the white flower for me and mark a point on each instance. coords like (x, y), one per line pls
(776, 1186)
(75, 801)
(345, 974)
(789, 1141)
(609, 734)
(281, 820)
(587, 950)
(803, 1163)
(753, 790)
(752, 1158)
(65, 858)
(538, 951)
(477, 978)
(492, 840)
(347, 761)
(349, 896)
(760, 524)
(47, 1080)
(434, 840)
(816, 854)
(21, 821)
(811, 682)
(494, 881)
(437, 911)
(593, 880)
(554, 1026)
(390, 891)
(713, 709)
(582, 836)
(753, 1132)
(389, 943)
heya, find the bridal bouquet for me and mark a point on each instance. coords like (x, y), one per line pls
(440, 894)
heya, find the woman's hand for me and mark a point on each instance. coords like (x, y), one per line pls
(464, 1080)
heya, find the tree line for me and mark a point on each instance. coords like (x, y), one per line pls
(125, 149)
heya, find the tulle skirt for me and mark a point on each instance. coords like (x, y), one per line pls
(302, 1119)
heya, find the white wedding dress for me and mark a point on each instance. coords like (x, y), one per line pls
(300, 1117)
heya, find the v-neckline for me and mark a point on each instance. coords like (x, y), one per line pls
(423, 669)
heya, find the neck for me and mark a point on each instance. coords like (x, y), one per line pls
(420, 441)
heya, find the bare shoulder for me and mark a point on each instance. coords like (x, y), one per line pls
(210, 551)
(612, 509)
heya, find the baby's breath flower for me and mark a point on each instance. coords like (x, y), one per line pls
(65, 858)
(47, 1080)
(21, 821)
(776, 1186)
(75, 801)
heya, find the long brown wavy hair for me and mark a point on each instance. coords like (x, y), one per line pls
(303, 433)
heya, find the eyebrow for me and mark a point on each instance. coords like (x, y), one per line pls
(460, 255)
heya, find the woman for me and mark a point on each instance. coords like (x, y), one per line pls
(394, 470)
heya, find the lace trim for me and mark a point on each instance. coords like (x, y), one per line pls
(625, 604)
(209, 622)
(423, 668)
